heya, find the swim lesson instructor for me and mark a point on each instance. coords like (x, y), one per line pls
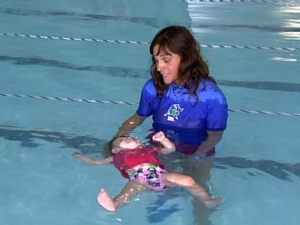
(184, 100)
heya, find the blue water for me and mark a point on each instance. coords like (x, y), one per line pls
(49, 88)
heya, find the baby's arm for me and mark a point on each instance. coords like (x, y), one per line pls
(168, 146)
(91, 161)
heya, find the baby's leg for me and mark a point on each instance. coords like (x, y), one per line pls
(187, 182)
(131, 189)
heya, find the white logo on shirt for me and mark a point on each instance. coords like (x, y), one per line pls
(173, 112)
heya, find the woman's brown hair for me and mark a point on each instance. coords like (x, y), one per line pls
(193, 68)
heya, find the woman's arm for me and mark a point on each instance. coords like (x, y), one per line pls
(211, 141)
(130, 124)
(91, 161)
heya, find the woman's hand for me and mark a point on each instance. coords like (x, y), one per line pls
(200, 153)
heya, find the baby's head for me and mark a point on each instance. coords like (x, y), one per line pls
(124, 142)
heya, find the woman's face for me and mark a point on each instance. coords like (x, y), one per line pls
(167, 64)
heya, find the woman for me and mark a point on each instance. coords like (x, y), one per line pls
(182, 98)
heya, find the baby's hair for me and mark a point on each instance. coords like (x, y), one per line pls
(111, 145)
(108, 146)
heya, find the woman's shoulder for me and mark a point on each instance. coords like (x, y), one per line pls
(209, 89)
(150, 83)
(150, 86)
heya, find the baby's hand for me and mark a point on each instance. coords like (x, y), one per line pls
(159, 136)
(77, 154)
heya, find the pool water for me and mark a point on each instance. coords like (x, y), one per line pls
(72, 72)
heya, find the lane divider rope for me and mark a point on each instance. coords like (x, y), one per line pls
(144, 42)
(135, 103)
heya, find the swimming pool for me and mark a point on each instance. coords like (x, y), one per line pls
(72, 71)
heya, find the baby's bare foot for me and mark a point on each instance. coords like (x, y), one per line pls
(213, 202)
(106, 201)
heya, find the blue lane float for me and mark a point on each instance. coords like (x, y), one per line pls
(135, 103)
(145, 42)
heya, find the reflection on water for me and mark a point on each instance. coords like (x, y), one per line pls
(28, 139)
(164, 206)
(293, 11)
(89, 145)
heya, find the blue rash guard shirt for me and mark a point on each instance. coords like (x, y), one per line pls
(180, 117)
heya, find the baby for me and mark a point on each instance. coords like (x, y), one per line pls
(145, 172)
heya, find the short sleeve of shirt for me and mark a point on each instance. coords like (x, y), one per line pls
(217, 114)
(148, 95)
